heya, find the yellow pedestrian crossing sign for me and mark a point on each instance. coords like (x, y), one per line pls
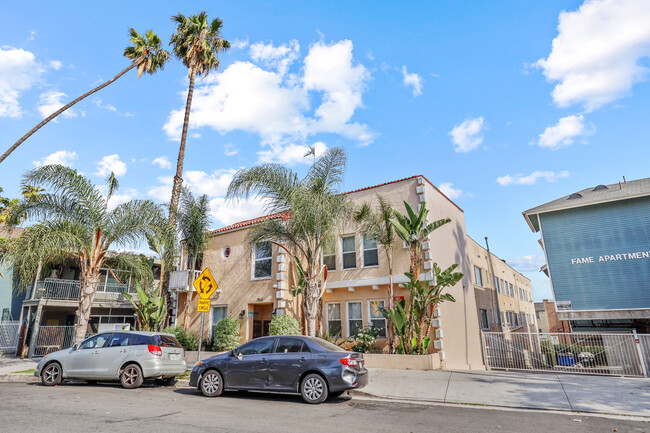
(205, 284)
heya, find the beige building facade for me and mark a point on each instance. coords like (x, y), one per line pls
(255, 282)
(504, 297)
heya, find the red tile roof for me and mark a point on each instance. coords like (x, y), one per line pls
(285, 214)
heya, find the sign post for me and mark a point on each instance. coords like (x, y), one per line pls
(205, 286)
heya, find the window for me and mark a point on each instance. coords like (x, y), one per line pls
(329, 257)
(257, 347)
(504, 286)
(537, 314)
(140, 340)
(290, 345)
(349, 252)
(263, 253)
(512, 291)
(370, 252)
(166, 341)
(219, 313)
(120, 340)
(95, 342)
(333, 318)
(478, 276)
(377, 319)
(355, 318)
(496, 285)
(484, 319)
(226, 252)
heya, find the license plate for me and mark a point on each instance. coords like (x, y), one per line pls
(174, 356)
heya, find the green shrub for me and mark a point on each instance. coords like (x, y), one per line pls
(284, 325)
(225, 335)
(188, 339)
(364, 339)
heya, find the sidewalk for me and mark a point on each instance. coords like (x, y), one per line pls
(550, 391)
(10, 364)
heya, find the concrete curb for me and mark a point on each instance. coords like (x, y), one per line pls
(496, 406)
(19, 377)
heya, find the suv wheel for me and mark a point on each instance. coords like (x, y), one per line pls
(313, 389)
(211, 383)
(51, 374)
(131, 376)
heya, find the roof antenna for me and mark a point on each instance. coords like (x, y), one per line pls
(624, 181)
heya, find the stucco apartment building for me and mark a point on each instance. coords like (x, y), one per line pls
(255, 282)
(504, 297)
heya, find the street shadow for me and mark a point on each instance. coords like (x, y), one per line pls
(262, 396)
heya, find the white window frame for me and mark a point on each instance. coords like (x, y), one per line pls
(487, 318)
(329, 255)
(370, 318)
(212, 325)
(255, 260)
(363, 252)
(347, 315)
(478, 272)
(348, 252)
(327, 318)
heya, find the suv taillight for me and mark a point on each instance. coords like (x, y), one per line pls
(154, 350)
(350, 362)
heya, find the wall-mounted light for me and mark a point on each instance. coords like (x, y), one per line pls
(242, 314)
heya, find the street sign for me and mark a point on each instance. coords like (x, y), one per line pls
(205, 284)
(204, 306)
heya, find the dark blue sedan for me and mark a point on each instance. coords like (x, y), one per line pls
(310, 366)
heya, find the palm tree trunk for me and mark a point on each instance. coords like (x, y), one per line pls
(310, 305)
(178, 178)
(86, 296)
(65, 107)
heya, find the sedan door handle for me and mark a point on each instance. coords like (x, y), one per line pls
(123, 351)
(95, 353)
(263, 360)
(303, 359)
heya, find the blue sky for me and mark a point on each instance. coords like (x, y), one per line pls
(504, 105)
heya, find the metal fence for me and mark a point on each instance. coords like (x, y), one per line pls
(9, 336)
(623, 354)
(53, 338)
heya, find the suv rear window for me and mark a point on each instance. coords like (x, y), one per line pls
(140, 340)
(166, 341)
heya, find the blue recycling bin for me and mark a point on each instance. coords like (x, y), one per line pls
(566, 359)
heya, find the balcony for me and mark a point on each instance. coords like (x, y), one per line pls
(53, 288)
(180, 280)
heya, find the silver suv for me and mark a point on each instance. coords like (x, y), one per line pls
(127, 356)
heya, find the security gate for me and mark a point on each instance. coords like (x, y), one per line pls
(9, 336)
(575, 352)
(53, 338)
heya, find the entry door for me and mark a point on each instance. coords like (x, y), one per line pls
(261, 328)
(252, 370)
(81, 363)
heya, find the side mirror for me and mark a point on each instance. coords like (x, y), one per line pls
(75, 346)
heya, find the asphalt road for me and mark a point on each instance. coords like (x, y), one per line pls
(109, 408)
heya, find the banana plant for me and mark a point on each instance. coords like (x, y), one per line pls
(149, 308)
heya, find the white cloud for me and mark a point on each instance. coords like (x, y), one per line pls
(109, 107)
(32, 35)
(111, 163)
(19, 71)
(412, 80)
(230, 150)
(162, 162)
(50, 101)
(61, 157)
(597, 54)
(280, 57)
(122, 196)
(531, 179)
(290, 153)
(56, 65)
(239, 44)
(565, 132)
(277, 107)
(448, 189)
(468, 135)
(228, 212)
(530, 263)
(162, 192)
(212, 185)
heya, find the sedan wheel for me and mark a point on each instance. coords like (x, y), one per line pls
(131, 377)
(211, 384)
(313, 389)
(51, 374)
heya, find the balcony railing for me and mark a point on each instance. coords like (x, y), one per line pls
(179, 280)
(53, 288)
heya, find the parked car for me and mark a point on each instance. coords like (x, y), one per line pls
(127, 356)
(313, 367)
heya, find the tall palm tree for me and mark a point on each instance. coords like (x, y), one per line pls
(377, 223)
(145, 53)
(193, 224)
(197, 44)
(75, 222)
(317, 210)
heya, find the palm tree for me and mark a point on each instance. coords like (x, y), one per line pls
(197, 44)
(317, 210)
(146, 54)
(377, 223)
(76, 223)
(193, 224)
